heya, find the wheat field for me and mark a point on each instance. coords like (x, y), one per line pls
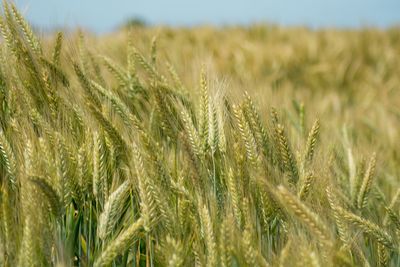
(231, 146)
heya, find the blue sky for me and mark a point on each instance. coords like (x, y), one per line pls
(104, 15)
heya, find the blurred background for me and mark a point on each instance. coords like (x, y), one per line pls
(103, 16)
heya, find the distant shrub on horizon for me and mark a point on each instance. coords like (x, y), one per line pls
(133, 22)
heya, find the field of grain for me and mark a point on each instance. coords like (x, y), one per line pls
(231, 146)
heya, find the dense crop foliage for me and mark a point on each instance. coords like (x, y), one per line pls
(222, 147)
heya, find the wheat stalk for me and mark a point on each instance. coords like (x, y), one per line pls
(366, 183)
